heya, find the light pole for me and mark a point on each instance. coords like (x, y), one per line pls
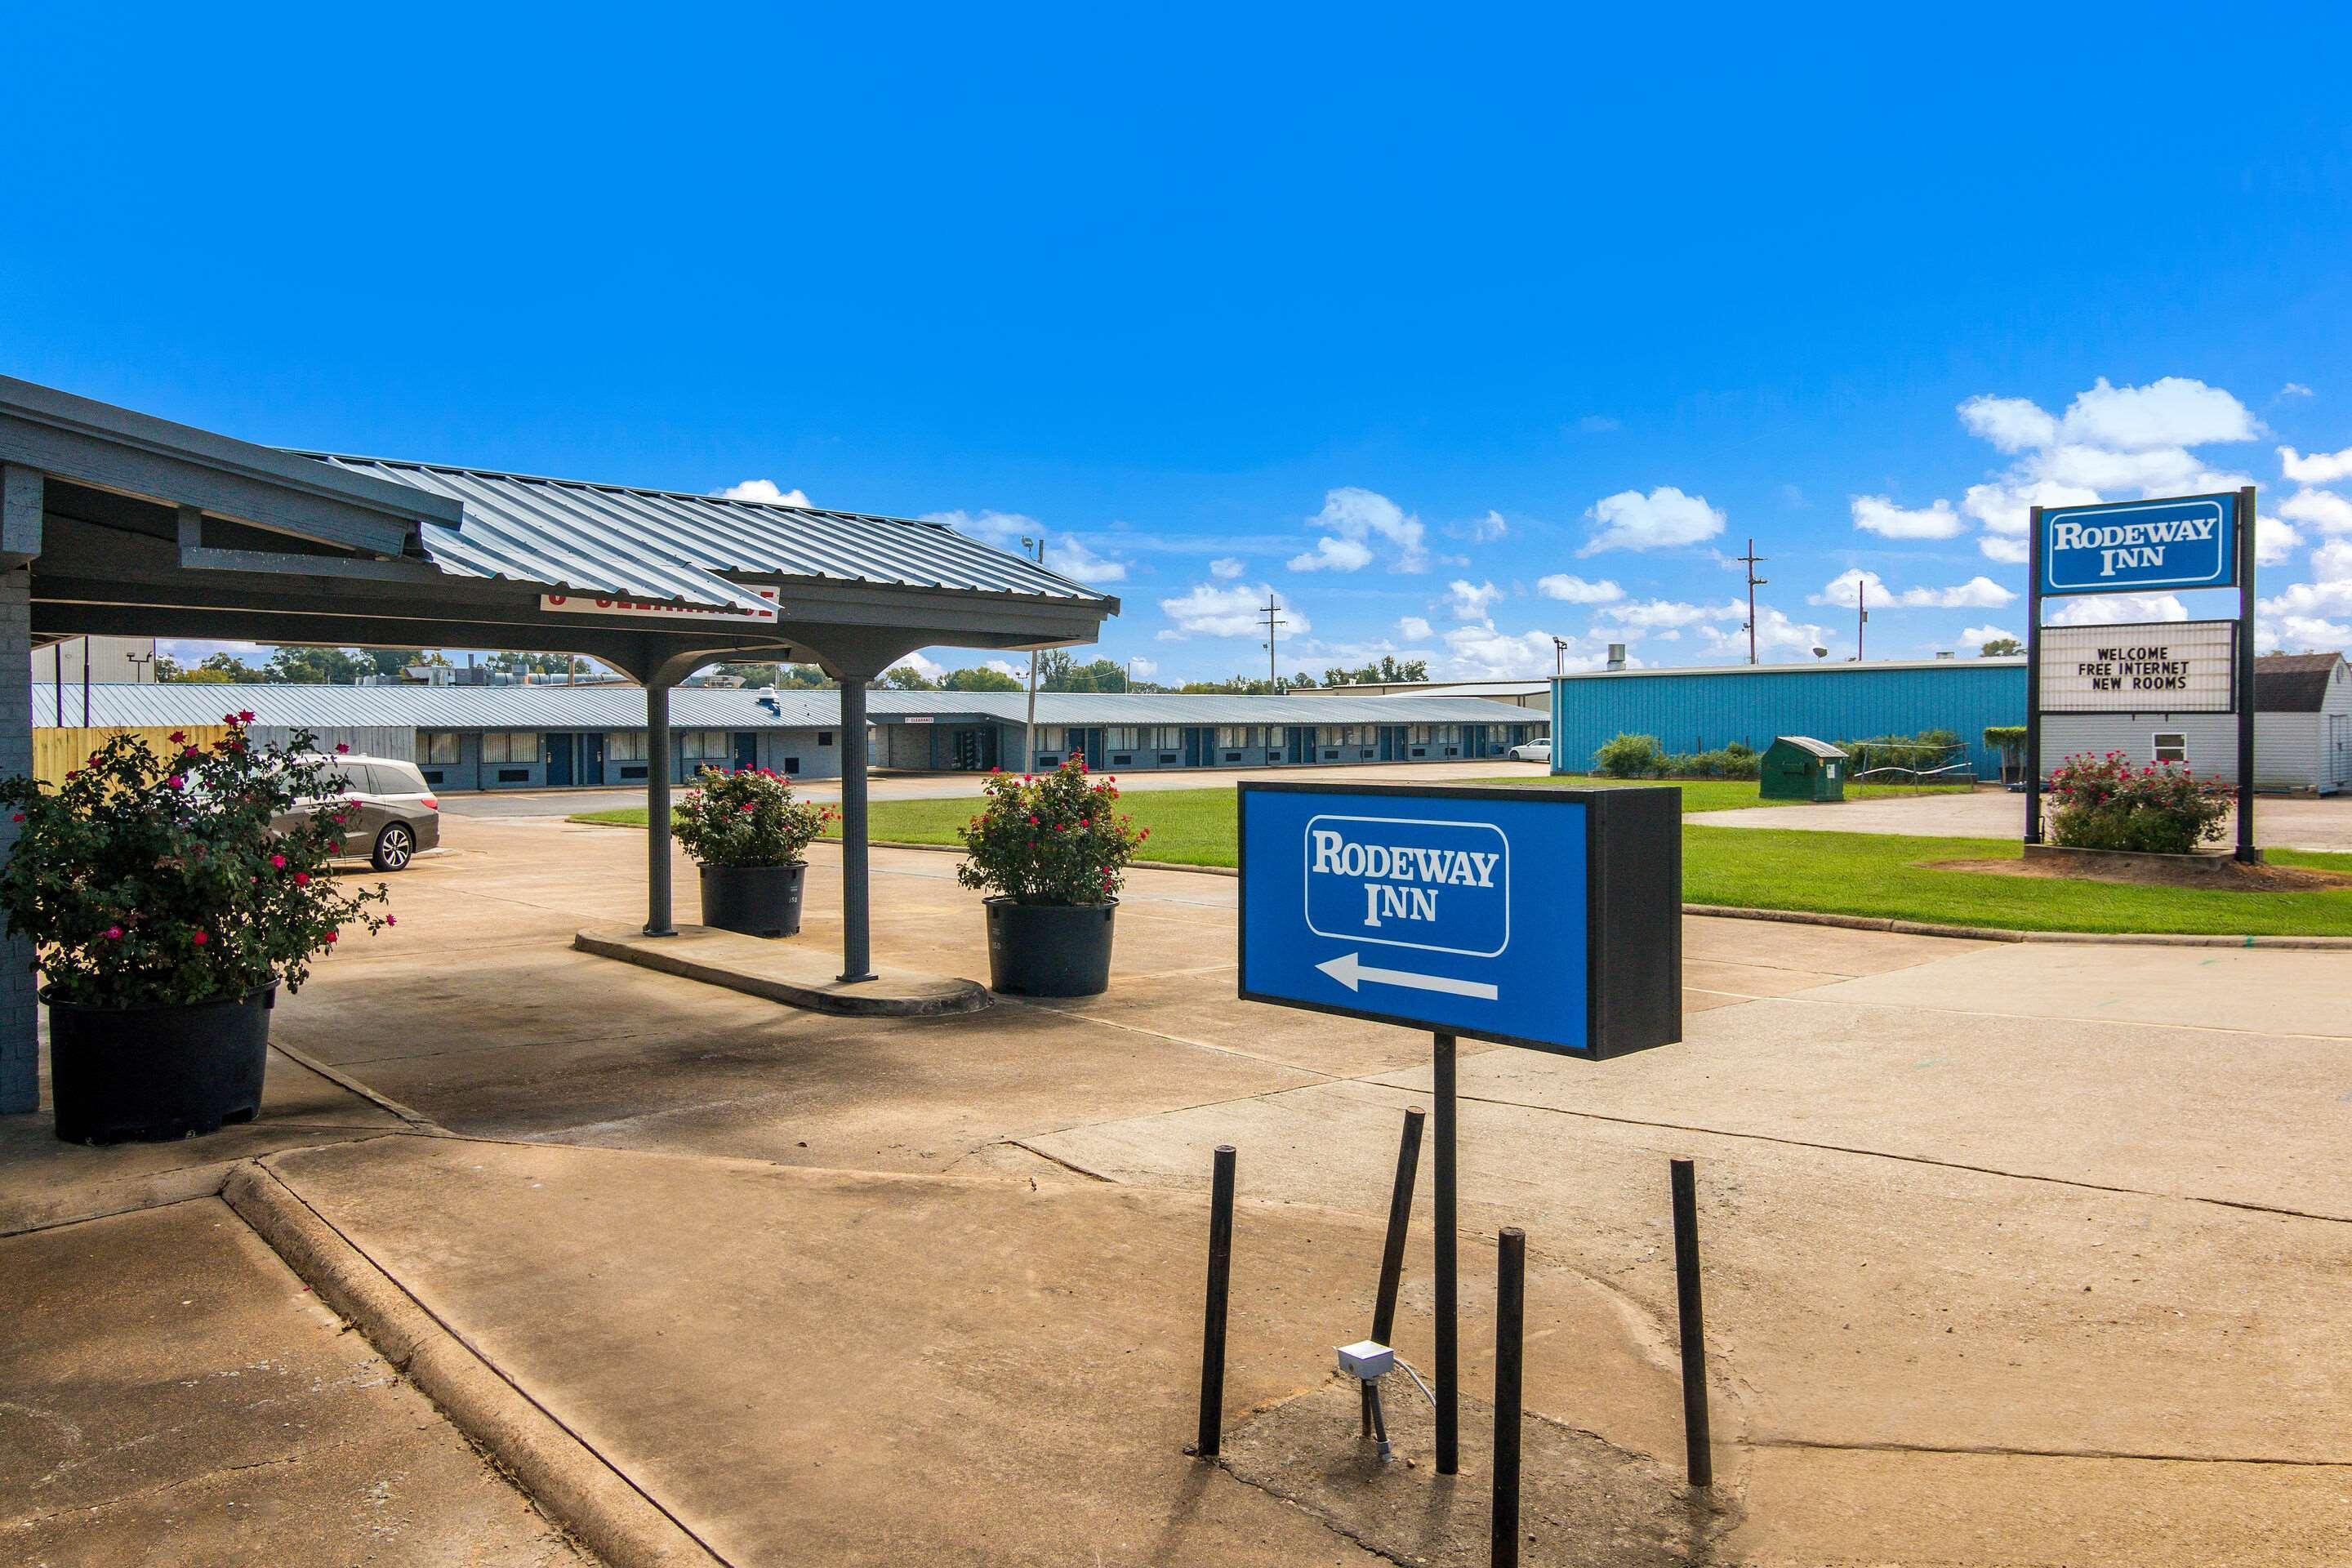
(1558, 657)
(1274, 625)
(1029, 729)
(1860, 617)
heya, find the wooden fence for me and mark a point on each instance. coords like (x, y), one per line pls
(55, 751)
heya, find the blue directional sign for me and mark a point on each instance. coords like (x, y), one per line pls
(1539, 917)
(2137, 546)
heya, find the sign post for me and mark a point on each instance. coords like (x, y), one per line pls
(1545, 918)
(2143, 547)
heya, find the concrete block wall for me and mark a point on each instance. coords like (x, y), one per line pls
(19, 1008)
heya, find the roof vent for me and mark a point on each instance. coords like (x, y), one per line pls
(1616, 656)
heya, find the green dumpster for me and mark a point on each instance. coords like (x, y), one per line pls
(1799, 767)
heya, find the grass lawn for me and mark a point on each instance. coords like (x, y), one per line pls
(1878, 875)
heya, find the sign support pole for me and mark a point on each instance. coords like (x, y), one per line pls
(1449, 1402)
(2034, 678)
(2245, 661)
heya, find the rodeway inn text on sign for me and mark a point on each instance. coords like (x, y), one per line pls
(2140, 546)
(1404, 881)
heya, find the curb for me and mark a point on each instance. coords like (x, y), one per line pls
(935, 996)
(583, 1491)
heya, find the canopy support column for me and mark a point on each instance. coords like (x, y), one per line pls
(857, 957)
(658, 890)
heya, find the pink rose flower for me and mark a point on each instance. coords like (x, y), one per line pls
(114, 933)
(199, 938)
(335, 936)
(278, 861)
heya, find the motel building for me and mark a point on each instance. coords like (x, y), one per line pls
(469, 738)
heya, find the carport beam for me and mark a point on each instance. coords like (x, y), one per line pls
(657, 900)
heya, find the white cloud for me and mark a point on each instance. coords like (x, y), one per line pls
(2131, 439)
(1225, 568)
(928, 668)
(2175, 411)
(1976, 594)
(1144, 669)
(1413, 629)
(2011, 424)
(2108, 609)
(2329, 593)
(1577, 590)
(1652, 613)
(1006, 666)
(1979, 635)
(1471, 602)
(1210, 610)
(1665, 517)
(2275, 539)
(764, 490)
(2323, 509)
(2294, 389)
(1488, 529)
(1350, 520)
(1066, 553)
(2319, 469)
(1773, 630)
(1879, 514)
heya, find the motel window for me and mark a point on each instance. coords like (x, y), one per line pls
(2172, 748)
(1122, 737)
(1049, 737)
(510, 746)
(438, 746)
(1418, 734)
(704, 743)
(1237, 734)
(625, 746)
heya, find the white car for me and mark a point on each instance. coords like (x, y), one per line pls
(1530, 752)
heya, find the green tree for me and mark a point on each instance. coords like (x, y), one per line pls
(905, 677)
(218, 668)
(316, 666)
(979, 678)
(2001, 647)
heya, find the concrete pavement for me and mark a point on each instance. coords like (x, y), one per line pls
(2283, 821)
(2016, 1254)
(948, 786)
(170, 1393)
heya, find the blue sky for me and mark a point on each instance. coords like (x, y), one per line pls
(1457, 329)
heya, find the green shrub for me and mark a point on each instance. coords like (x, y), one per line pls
(2104, 803)
(1631, 757)
(748, 817)
(1054, 838)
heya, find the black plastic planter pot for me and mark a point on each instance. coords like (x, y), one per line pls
(1049, 950)
(758, 900)
(142, 1074)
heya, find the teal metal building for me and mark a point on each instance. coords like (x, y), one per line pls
(1701, 709)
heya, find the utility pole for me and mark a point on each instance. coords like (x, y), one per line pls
(1558, 655)
(1861, 616)
(1029, 729)
(1750, 561)
(1273, 624)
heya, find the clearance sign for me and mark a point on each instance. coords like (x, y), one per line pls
(658, 609)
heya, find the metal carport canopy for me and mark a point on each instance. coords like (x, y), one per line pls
(133, 525)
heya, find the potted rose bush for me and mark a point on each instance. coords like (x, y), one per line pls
(167, 910)
(748, 833)
(1052, 852)
(2106, 803)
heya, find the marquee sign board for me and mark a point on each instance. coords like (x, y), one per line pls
(2169, 666)
(1546, 918)
(2140, 546)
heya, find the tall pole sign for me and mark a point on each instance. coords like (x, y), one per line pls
(2144, 547)
(1544, 918)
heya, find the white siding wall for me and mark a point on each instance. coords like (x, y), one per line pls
(2285, 744)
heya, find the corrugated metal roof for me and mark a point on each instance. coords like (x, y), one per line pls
(701, 707)
(616, 540)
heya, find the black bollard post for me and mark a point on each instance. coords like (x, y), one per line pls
(1699, 1461)
(1510, 1346)
(1448, 1361)
(1392, 1253)
(1212, 1329)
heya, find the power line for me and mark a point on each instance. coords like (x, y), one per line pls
(1750, 561)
